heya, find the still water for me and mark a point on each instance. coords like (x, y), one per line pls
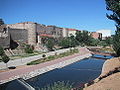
(77, 73)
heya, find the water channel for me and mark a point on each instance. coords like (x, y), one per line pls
(77, 73)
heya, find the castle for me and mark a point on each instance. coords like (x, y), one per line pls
(31, 33)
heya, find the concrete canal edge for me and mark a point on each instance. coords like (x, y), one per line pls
(54, 66)
(45, 69)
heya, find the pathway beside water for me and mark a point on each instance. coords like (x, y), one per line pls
(32, 71)
(77, 73)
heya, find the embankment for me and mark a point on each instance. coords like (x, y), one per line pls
(111, 81)
(32, 71)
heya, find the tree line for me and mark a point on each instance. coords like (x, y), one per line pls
(82, 38)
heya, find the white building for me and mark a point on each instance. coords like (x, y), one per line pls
(105, 33)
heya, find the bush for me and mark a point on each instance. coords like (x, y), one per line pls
(5, 58)
(28, 49)
(50, 42)
(1, 51)
(44, 59)
(51, 57)
(59, 86)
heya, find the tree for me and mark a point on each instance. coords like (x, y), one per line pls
(1, 51)
(50, 44)
(65, 43)
(114, 6)
(5, 59)
(1, 22)
(28, 49)
(109, 41)
(94, 42)
(83, 37)
(72, 41)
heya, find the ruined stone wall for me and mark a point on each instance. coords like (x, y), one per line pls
(31, 30)
(50, 30)
(4, 37)
(35, 29)
(20, 35)
(5, 42)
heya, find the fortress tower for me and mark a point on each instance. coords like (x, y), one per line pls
(31, 27)
(31, 31)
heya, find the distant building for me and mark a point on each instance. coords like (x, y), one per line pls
(71, 32)
(67, 32)
(105, 33)
(96, 35)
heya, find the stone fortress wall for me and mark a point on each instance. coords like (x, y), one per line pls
(32, 33)
(28, 29)
(4, 37)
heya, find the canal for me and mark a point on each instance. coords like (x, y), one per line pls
(77, 73)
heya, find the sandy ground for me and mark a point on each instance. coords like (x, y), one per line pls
(111, 82)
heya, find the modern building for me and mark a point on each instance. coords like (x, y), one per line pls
(105, 33)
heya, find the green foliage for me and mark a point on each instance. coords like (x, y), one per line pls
(68, 42)
(102, 43)
(83, 37)
(49, 58)
(50, 42)
(94, 42)
(28, 49)
(65, 43)
(58, 86)
(109, 41)
(116, 42)
(114, 6)
(1, 51)
(5, 58)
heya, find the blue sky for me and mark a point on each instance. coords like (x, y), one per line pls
(80, 14)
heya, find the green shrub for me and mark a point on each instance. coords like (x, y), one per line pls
(51, 57)
(28, 49)
(5, 59)
(59, 86)
(1, 51)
